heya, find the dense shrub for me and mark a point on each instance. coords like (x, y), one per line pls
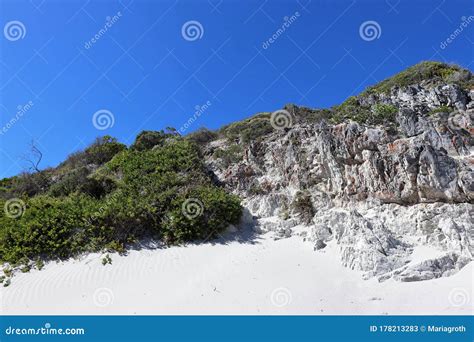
(199, 213)
(49, 227)
(69, 182)
(79, 180)
(152, 187)
(102, 150)
(146, 140)
(178, 159)
(75, 174)
(145, 200)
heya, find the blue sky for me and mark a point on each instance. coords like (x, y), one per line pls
(145, 73)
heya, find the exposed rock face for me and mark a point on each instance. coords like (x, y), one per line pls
(423, 97)
(379, 192)
(380, 239)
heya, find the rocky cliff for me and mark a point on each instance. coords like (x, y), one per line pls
(384, 175)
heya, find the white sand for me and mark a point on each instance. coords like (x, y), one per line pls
(255, 276)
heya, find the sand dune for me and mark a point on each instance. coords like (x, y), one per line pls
(253, 275)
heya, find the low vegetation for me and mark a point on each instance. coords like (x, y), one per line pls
(113, 196)
(255, 128)
(442, 109)
(428, 70)
(352, 109)
(202, 136)
(229, 155)
(356, 108)
(248, 130)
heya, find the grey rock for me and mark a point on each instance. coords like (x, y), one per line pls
(379, 194)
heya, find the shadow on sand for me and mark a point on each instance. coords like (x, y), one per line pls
(245, 233)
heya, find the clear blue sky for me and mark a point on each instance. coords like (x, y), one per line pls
(149, 76)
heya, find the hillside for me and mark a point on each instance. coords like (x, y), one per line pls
(381, 174)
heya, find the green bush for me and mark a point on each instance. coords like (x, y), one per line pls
(146, 201)
(200, 214)
(146, 140)
(79, 180)
(151, 189)
(49, 227)
(103, 149)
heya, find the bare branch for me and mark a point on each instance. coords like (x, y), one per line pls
(33, 158)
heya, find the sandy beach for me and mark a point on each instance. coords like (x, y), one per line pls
(255, 274)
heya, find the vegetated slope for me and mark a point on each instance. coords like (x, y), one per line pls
(381, 174)
(109, 196)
